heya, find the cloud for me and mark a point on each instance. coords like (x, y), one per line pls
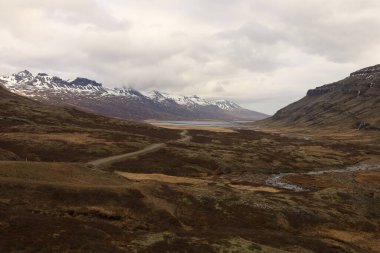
(263, 53)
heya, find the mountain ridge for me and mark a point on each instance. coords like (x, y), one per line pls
(353, 102)
(126, 103)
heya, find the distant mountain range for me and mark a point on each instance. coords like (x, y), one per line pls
(353, 102)
(125, 103)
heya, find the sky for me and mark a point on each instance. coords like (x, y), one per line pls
(262, 54)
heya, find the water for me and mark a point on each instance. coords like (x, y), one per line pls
(203, 123)
(276, 180)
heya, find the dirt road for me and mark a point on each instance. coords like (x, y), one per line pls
(185, 137)
(107, 161)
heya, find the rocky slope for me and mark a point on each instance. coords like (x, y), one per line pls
(127, 103)
(353, 102)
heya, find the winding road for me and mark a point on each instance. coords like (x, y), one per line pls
(108, 161)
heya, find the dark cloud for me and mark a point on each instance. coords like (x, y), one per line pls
(262, 53)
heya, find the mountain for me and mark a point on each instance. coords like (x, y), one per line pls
(353, 102)
(30, 115)
(36, 131)
(126, 103)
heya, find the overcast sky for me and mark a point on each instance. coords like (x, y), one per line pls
(263, 54)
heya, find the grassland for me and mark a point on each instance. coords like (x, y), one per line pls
(246, 151)
(206, 194)
(68, 207)
(76, 208)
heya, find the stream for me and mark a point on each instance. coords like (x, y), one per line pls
(276, 180)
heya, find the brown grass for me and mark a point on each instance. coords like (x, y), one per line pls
(255, 188)
(314, 181)
(364, 240)
(68, 207)
(162, 178)
(76, 138)
(57, 173)
(187, 180)
(322, 150)
(348, 135)
(371, 177)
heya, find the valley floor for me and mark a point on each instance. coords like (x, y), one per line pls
(207, 193)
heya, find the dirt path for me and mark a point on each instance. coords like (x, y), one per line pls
(185, 137)
(104, 162)
(107, 161)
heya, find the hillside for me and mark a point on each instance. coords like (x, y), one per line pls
(353, 102)
(91, 96)
(53, 200)
(35, 131)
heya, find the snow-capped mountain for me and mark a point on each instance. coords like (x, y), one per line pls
(127, 103)
(191, 101)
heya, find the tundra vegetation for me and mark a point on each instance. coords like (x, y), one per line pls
(206, 194)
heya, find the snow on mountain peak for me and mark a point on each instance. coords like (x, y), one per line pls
(225, 104)
(190, 101)
(42, 84)
(126, 92)
(26, 83)
(158, 96)
(24, 73)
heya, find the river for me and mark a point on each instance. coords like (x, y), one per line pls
(233, 124)
(277, 179)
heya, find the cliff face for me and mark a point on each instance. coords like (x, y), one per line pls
(353, 102)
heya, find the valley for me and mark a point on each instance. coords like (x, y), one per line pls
(164, 126)
(73, 181)
(148, 201)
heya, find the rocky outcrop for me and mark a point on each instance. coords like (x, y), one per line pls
(353, 102)
(367, 71)
(84, 82)
(317, 92)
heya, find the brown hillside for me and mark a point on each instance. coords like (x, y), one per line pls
(35, 131)
(353, 102)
